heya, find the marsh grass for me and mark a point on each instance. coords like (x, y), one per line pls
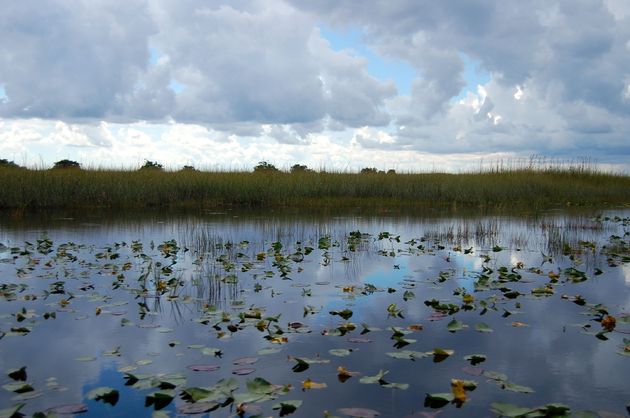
(501, 187)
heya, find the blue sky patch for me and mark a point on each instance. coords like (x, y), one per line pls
(176, 87)
(382, 68)
(3, 95)
(474, 75)
(154, 56)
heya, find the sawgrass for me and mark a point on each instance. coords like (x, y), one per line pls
(502, 187)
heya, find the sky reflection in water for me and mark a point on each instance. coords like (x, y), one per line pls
(551, 354)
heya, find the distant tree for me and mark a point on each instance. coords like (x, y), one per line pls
(152, 165)
(65, 164)
(391, 171)
(4, 163)
(188, 168)
(265, 167)
(299, 168)
(369, 170)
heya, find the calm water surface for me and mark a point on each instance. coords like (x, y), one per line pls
(90, 301)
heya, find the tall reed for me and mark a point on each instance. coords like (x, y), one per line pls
(531, 187)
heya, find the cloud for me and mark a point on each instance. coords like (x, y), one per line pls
(71, 59)
(254, 72)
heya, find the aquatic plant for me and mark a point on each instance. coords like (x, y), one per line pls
(270, 187)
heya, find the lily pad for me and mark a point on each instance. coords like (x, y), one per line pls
(104, 394)
(455, 326)
(68, 409)
(509, 410)
(243, 371)
(438, 400)
(203, 367)
(483, 327)
(287, 407)
(475, 359)
(359, 412)
(268, 351)
(342, 352)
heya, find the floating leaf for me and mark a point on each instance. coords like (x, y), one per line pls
(203, 367)
(475, 359)
(344, 374)
(85, 358)
(18, 374)
(300, 365)
(195, 346)
(455, 325)
(359, 412)
(243, 371)
(438, 400)
(287, 407)
(245, 361)
(267, 351)
(495, 376)
(516, 388)
(345, 314)
(377, 378)
(341, 352)
(104, 394)
(197, 408)
(159, 400)
(12, 411)
(309, 384)
(440, 354)
(18, 387)
(483, 327)
(68, 409)
(359, 340)
(211, 352)
(408, 354)
(402, 386)
(509, 410)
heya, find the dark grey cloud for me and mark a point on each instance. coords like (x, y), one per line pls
(71, 59)
(237, 62)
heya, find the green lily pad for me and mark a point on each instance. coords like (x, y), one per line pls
(377, 378)
(509, 410)
(268, 351)
(18, 374)
(104, 394)
(287, 407)
(455, 326)
(85, 358)
(438, 400)
(342, 352)
(18, 387)
(483, 327)
(11, 411)
(359, 412)
(517, 388)
(475, 359)
(408, 354)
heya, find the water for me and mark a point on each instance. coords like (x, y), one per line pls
(131, 303)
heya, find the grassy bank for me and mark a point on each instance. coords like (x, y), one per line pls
(74, 188)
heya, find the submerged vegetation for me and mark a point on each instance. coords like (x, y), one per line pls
(268, 186)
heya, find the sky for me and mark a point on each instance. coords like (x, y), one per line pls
(410, 85)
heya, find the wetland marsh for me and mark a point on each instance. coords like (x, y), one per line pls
(226, 314)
